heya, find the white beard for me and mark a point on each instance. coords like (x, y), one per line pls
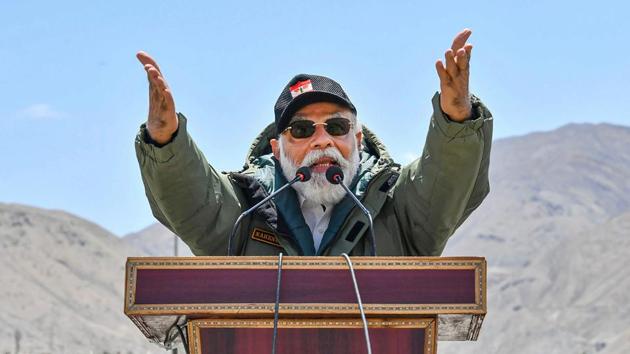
(318, 189)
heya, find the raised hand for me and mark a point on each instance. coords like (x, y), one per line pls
(162, 121)
(455, 97)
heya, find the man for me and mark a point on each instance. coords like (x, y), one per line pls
(415, 208)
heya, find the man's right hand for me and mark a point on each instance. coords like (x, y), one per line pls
(162, 122)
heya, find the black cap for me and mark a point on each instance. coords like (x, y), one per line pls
(305, 89)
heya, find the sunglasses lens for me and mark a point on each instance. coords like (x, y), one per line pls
(337, 126)
(302, 129)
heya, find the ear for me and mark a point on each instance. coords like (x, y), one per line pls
(275, 148)
(359, 137)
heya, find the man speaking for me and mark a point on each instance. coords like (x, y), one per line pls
(415, 208)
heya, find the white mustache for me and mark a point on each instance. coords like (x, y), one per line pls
(330, 152)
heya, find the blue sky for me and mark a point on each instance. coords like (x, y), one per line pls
(73, 94)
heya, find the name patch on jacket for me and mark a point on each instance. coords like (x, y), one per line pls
(265, 236)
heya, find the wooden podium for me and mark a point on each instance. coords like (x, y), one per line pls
(227, 303)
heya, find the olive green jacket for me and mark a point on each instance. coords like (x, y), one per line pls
(415, 208)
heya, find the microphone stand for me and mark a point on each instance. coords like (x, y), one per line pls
(334, 175)
(303, 174)
(339, 181)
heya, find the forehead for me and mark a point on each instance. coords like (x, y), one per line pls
(321, 110)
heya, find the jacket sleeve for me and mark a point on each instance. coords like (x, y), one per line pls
(185, 193)
(439, 190)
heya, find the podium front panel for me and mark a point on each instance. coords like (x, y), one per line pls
(245, 286)
(313, 336)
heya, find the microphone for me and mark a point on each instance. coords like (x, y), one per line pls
(334, 175)
(303, 174)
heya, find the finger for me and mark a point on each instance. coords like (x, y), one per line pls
(151, 69)
(441, 71)
(460, 39)
(161, 83)
(468, 48)
(451, 66)
(462, 59)
(155, 86)
(152, 73)
(145, 59)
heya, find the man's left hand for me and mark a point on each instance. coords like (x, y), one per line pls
(455, 97)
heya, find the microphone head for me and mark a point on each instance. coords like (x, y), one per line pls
(303, 173)
(334, 174)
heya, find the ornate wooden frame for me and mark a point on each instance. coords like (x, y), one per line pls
(455, 321)
(429, 325)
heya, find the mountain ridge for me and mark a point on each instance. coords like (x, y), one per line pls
(66, 278)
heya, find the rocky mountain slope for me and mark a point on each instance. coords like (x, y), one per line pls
(156, 240)
(62, 285)
(555, 230)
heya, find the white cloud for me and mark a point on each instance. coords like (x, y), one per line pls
(41, 111)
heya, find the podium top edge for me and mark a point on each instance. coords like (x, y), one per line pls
(309, 259)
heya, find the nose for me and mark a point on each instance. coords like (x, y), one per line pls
(321, 139)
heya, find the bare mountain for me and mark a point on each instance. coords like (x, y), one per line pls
(555, 230)
(545, 187)
(156, 240)
(62, 285)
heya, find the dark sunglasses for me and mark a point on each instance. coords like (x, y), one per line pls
(303, 128)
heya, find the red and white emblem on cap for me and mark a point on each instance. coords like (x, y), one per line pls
(300, 87)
